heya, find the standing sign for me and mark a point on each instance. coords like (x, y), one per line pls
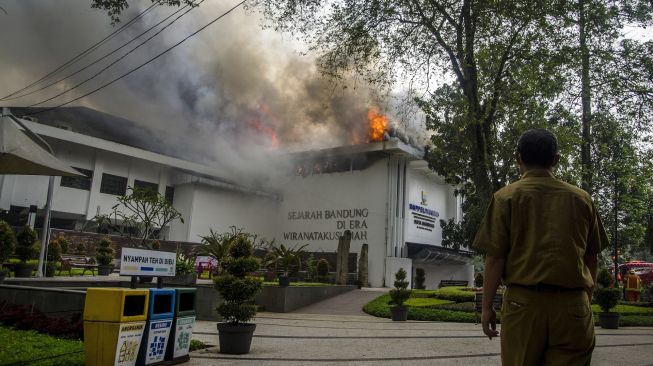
(129, 341)
(158, 333)
(140, 262)
(183, 333)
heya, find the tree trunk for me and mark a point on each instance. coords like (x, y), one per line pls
(586, 100)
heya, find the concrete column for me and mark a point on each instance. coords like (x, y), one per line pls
(7, 183)
(93, 197)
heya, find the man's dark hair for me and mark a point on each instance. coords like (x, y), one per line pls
(538, 147)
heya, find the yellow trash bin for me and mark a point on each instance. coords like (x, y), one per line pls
(114, 322)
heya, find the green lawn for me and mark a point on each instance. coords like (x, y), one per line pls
(22, 347)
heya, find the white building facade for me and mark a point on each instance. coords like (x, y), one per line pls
(383, 192)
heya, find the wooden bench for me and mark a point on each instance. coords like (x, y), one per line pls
(449, 283)
(70, 261)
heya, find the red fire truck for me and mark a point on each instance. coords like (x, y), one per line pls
(643, 269)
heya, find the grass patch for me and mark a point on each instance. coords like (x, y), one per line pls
(418, 302)
(379, 307)
(28, 347)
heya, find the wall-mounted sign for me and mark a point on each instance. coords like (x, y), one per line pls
(423, 218)
(141, 262)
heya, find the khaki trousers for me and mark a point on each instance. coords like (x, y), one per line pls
(546, 328)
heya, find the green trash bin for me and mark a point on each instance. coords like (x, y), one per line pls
(183, 324)
(114, 323)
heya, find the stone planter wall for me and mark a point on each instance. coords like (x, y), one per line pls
(284, 299)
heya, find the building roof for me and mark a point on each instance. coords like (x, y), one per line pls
(91, 122)
(197, 173)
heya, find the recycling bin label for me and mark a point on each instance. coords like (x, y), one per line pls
(183, 334)
(129, 341)
(158, 333)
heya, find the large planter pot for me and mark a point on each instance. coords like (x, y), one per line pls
(399, 314)
(284, 281)
(23, 270)
(50, 269)
(106, 270)
(609, 320)
(235, 339)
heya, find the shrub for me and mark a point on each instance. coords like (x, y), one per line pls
(478, 280)
(26, 250)
(323, 270)
(311, 267)
(607, 298)
(420, 278)
(7, 241)
(185, 264)
(63, 243)
(400, 294)
(80, 249)
(604, 278)
(105, 252)
(455, 293)
(54, 251)
(156, 245)
(237, 287)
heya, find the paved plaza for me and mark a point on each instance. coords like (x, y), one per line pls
(325, 335)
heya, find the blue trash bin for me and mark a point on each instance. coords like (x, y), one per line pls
(157, 329)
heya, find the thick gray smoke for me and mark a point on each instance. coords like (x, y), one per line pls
(228, 97)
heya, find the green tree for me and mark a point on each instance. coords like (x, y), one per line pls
(141, 214)
(7, 242)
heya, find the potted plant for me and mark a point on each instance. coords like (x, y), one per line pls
(323, 270)
(607, 297)
(184, 270)
(238, 290)
(420, 278)
(478, 280)
(54, 255)
(288, 259)
(7, 245)
(25, 250)
(104, 257)
(399, 295)
(63, 243)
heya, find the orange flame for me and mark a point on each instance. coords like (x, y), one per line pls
(378, 124)
(260, 127)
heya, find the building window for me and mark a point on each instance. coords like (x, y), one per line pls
(113, 184)
(170, 194)
(79, 182)
(147, 186)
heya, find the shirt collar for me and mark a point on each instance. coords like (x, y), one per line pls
(533, 173)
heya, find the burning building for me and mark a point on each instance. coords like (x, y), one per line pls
(379, 187)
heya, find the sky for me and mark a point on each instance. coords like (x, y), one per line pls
(228, 97)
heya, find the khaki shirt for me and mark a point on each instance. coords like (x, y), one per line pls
(542, 227)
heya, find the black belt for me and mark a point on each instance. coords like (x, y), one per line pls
(545, 287)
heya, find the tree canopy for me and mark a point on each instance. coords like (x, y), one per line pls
(484, 71)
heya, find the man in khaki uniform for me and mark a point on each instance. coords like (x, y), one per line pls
(542, 236)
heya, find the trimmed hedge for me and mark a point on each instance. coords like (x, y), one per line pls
(379, 307)
(426, 302)
(455, 293)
